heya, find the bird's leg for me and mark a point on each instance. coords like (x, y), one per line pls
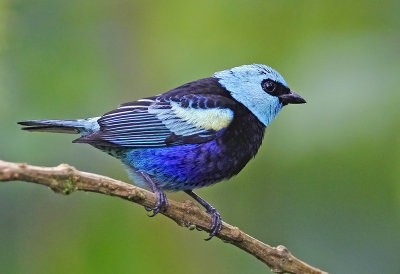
(216, 225)
(162, 202)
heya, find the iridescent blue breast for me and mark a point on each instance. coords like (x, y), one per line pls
(192, 166)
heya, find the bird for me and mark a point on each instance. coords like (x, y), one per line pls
(189, 137)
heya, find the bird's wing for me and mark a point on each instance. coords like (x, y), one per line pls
(164, 121)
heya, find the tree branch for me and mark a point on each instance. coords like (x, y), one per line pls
(65, 179)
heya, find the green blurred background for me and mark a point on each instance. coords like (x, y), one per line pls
(326, 182)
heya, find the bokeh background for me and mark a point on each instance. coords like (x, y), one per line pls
(326, 182)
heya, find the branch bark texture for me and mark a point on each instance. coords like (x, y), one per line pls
(66, 179)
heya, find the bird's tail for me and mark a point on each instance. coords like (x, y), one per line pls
(60, 126)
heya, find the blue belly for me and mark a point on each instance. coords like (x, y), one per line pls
(190, 166)
(182, 167)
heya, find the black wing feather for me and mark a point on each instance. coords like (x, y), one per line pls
(151, 122)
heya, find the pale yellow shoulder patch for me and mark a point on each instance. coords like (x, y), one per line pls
(213, 118)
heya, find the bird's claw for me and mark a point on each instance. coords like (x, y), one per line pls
(216, 224)
(161, 204)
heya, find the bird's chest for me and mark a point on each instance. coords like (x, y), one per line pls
(241, 142)
(197, 165)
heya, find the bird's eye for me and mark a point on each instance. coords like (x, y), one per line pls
(268, 86)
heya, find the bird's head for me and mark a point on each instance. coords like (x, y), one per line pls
(259, 88)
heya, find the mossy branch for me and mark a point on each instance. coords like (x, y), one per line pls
(66, 179)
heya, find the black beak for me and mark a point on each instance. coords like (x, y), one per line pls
(291, 98)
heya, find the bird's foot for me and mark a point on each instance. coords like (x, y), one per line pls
(161, 204)
(161, 199)
(216, 224)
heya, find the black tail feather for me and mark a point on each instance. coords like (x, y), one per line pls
(57, 129)
(58, 126)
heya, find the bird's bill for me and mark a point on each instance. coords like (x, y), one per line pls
(291, 98)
